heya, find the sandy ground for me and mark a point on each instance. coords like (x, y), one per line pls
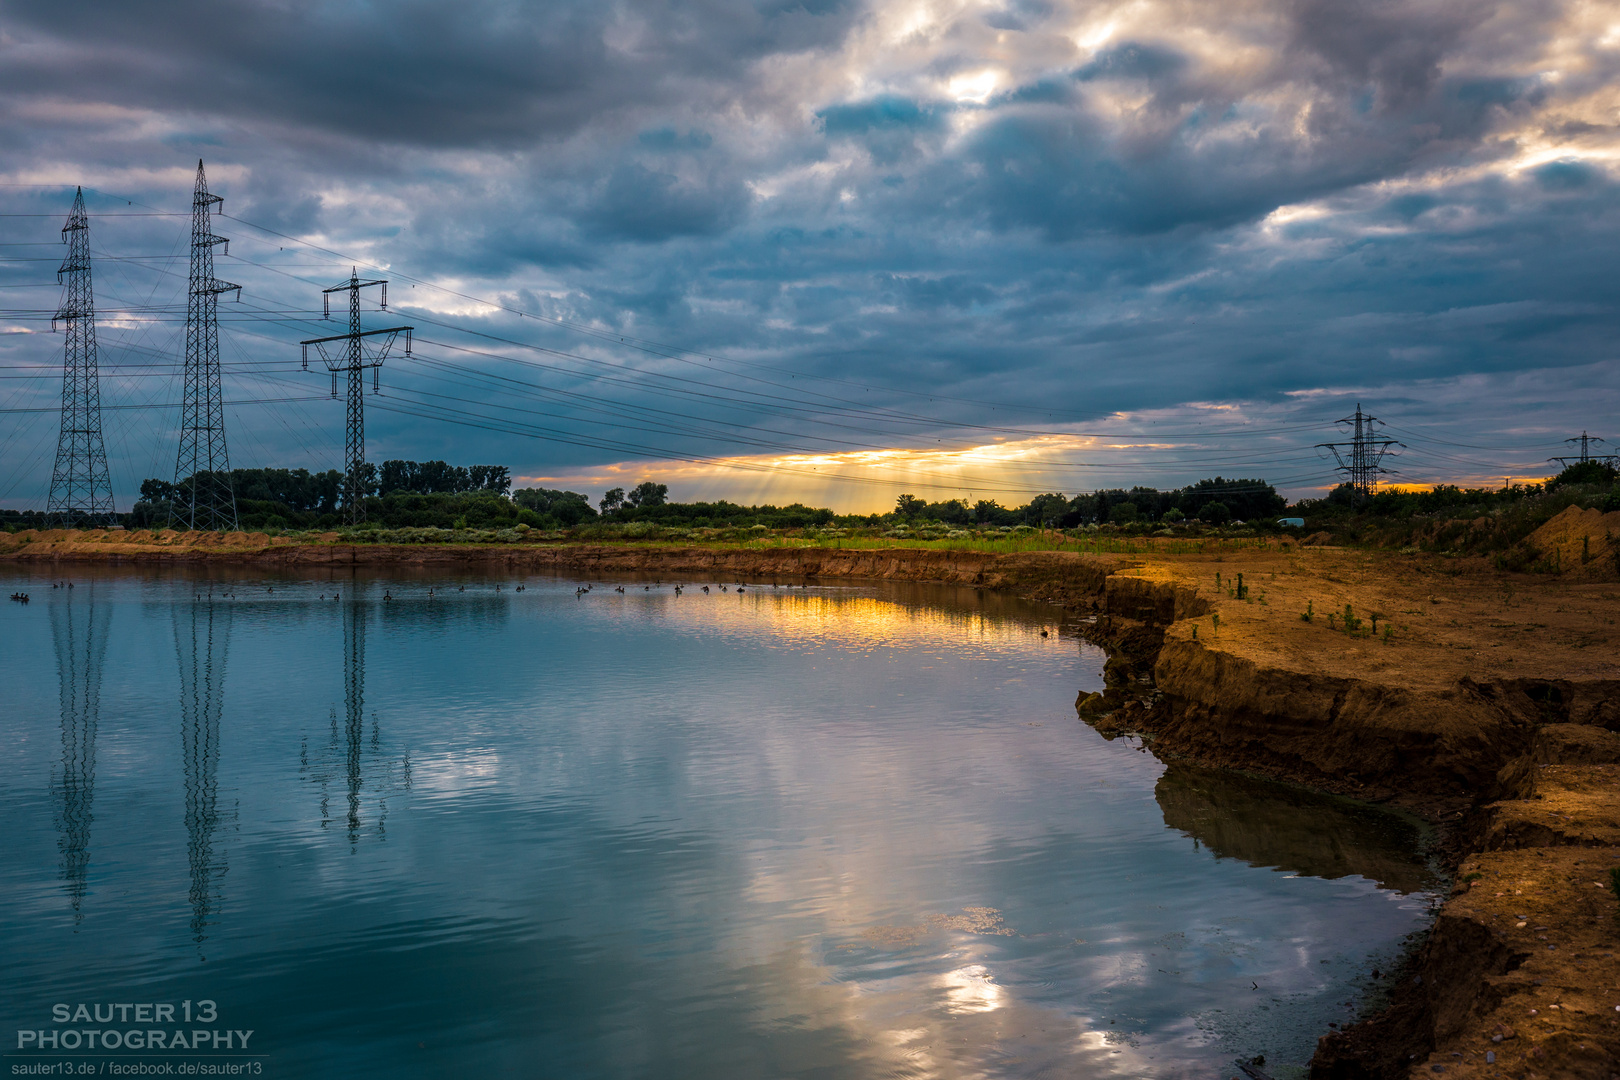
(1488, 700)
(1447, 619)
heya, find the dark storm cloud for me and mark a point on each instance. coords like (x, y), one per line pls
(646, 205)
(1074, 208)
(490, 73)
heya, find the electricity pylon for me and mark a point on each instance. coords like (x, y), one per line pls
(1585, 441)
(353, 359)
(1360, 459)
(81, 492)
(207, 500)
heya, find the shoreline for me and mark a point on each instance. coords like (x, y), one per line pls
(1261, 661)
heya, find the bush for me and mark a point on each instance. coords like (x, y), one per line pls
(1600, 473)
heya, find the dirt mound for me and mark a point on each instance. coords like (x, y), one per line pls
(1583, 544)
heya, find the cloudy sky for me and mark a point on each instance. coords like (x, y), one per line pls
(825, 250)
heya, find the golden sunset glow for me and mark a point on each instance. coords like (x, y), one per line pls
(1008, 471)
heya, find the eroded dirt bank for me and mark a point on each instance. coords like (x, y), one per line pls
(1066, 578)
(1492, 707)
(1487, 701)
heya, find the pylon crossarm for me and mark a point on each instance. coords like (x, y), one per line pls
(363, 333)
(347, 285)
(216, 287)
(380, 352)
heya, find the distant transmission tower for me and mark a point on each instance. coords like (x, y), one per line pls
(207, 501)
(353, 359)
(1585, 441)
(81, 492)
(1360, 459)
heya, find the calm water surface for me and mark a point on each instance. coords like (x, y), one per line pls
(831, 832)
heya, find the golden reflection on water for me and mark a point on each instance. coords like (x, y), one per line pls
(970, 989)
(952, 1025)
(856, 621)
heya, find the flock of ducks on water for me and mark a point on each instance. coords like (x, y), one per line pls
(741, 587)
(22, 597)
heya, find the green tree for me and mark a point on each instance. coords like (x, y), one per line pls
(1585, 472)
(1122, 513)
(1046, 509)
(567, 508)
(989, 512)
(366, 478)
(1216, 513)
(647, 493)
(493, 478)
(155, 491)
(612, 500)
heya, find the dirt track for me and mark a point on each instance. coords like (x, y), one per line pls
(1492, 705)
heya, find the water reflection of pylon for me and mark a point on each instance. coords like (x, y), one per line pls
(354, 701)
(201, 639)
(350, 745)
(80, 634)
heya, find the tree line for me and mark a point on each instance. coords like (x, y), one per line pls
(1217, 502)
(397, 492)
(403, 493)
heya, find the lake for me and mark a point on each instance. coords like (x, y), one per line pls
(433, 825)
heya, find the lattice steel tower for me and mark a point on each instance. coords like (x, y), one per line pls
(352, 361)
(81, 492)
(207, 501)
(1586, 442)
(1360, 459)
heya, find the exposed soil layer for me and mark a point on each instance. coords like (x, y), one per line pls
(1065, 578)
(1487, 701)
(1492, 706)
